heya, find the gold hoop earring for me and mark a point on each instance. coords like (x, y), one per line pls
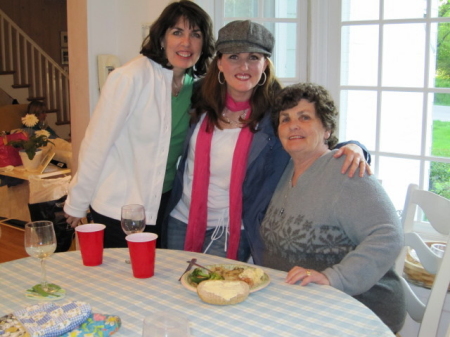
(265, 79)
(218, 77)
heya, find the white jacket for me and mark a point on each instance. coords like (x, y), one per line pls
(124, 152)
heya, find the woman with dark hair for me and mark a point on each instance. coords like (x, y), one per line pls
(233, 160)
(135, 136)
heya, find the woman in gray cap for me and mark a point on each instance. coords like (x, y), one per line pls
(233, 160)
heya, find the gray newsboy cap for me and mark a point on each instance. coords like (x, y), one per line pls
(244, 37)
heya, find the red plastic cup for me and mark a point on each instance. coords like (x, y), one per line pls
(90, 238)
(142, 248)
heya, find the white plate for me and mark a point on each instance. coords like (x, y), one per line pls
(193, 286)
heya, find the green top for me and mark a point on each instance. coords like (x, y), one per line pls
(180, 123)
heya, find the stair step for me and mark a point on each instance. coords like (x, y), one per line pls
(7, 72)
(16, 86)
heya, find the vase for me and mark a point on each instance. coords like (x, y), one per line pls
(33, 164)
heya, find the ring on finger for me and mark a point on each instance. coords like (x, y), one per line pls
(308, 272)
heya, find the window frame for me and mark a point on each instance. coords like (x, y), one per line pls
(333, 37)
(319, 35)
(215, 10)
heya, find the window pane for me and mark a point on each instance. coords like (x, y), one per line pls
(239, 8)
(359, 59)
(404, 9)
(441, 108)
(282, 9)
(285, 53)
(354, 10)
(440, 179)
(440, 8)
(441, 127)
(442, 57)
(358, 116)
(403, 55)
(395, 175)
(401, 122)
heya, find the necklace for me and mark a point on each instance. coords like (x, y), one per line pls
(290, 187)
(232, 106)
(234, 122)
(176, 88)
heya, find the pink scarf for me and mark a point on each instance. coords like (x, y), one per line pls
(196, 230)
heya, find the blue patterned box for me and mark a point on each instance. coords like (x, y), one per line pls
(51, 320)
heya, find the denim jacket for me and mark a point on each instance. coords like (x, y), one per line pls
(265, 165)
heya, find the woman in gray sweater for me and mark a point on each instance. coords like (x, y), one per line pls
(326, 228)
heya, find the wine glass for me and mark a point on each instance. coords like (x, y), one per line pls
(43, 124)
(40, 242)
(132, 219)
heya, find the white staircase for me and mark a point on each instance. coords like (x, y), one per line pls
(33, 70)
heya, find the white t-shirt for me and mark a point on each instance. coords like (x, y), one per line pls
(221, 157)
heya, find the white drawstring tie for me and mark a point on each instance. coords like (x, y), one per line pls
(222, 227)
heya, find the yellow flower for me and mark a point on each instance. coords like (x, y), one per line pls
(30, 120)
(111, 320)
(42, 133)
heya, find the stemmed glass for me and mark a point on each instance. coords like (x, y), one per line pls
(132, 219)
(40, 242)
(43, 124)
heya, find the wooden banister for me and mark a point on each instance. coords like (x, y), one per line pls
(33, 68)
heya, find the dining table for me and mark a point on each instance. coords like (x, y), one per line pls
(279, 309)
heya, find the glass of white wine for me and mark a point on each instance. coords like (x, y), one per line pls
(132, 219)
(40, 242)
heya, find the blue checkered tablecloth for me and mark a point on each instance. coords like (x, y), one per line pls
(279, 309)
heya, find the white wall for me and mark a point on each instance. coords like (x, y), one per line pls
(101, 27)
(115, 27)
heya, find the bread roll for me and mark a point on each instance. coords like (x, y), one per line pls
(222, 292)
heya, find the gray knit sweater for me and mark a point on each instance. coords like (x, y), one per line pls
(346, 228)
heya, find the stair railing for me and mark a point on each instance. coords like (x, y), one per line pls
(33, 68)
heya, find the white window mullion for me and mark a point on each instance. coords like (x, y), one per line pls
(379, 89)
(324, 56)
(427, 124)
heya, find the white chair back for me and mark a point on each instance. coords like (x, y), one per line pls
(437, 211)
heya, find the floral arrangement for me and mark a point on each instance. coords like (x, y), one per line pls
(32, 144)
(35, 141)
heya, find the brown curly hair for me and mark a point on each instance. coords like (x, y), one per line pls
(196, 16)
(326, 110)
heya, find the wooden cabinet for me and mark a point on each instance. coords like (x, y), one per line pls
(11, 243)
